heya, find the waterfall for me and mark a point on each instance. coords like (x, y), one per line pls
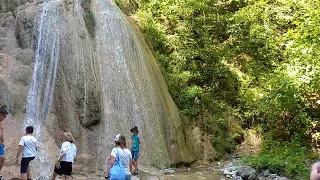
(106, 83)
(43, 80)
(129, 91)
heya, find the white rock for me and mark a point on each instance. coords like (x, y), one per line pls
(168, 171)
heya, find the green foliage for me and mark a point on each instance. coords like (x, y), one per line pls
(185, 37)
(281, 67)
(259, 58)
(219, 129)
(287, 158)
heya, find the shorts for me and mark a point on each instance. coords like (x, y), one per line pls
(128, 177)
(1, 150)
(25, 164)
(65, 169)
(135, 155)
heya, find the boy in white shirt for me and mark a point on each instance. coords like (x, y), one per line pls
(28, 146)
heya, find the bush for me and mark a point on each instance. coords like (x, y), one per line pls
(259, 58)
(283, 158)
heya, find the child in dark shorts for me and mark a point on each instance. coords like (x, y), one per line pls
(28, 146)
(66, 158)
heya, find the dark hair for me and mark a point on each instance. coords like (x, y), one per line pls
(134, 128)
(122, 141)
(4, 110)
(29, 129)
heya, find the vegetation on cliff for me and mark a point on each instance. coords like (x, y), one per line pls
(255, 60)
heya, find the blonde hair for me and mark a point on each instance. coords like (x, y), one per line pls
(122, 142)
(69, 137)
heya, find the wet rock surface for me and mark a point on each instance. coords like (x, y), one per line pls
(78, 104)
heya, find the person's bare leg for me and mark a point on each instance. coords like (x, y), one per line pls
(135, 165)
(24, 176)
(28, 173)
(2, 158)
(54, 175)
(67, 177)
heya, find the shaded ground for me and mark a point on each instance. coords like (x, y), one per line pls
(147, 173)
(209, 172)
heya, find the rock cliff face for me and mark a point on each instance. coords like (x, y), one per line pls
(107, 80)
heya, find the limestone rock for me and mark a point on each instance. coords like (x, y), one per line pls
(168, 171)
(22, 74)
(25, 56)
(6, 6)
(25, 31)
(246, 171)
(83, 97)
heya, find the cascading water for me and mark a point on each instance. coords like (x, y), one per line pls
(105, 85)
(130, 95)
(43, 80)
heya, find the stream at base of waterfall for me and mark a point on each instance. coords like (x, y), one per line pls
(146, 173)
(212, 171)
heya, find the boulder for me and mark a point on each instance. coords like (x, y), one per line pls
(266, 173)
(237, 178)
(246, 171)
(273, 176)
(253, 176)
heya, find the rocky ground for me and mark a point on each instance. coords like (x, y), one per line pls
(215, 171)
(237, 171)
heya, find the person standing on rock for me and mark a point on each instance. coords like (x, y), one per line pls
(3, 114)
(68, 152)
(121, 153)
(135, 149)
(28, 146)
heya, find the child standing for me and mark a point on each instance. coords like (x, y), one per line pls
(135, 150)
(28, 146)
(66, 158)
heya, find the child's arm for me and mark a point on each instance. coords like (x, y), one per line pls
(20, 149)
(19, 152)
(130, 165)
(139, 144)
(2, 138)
(139, 140)
(62, 155)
